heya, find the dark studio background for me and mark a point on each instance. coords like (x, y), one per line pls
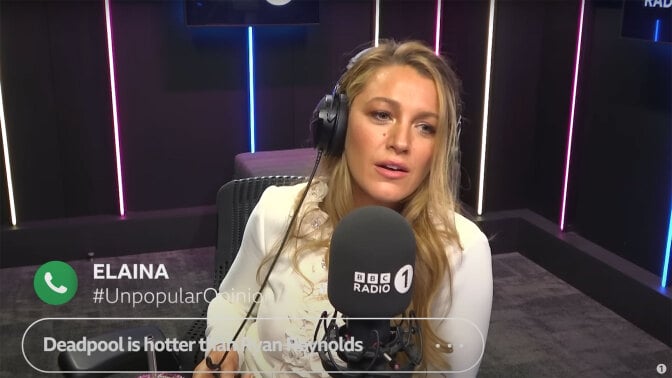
(183, 117)
(183, 110)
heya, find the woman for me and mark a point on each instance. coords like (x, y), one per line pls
(398, 152)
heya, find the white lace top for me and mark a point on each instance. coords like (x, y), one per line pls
(274, 342)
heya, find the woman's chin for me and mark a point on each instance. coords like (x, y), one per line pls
(386, 199)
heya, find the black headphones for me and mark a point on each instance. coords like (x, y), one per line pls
(330, 117)
(329, 124)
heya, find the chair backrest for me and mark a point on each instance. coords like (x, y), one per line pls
(235, 201)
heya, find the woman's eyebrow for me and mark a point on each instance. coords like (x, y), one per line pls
(387, 100)
(427, 115)
(396, 105)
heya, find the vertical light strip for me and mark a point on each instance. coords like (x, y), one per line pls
(666, 262)
(570, 132)
(656, 30)
(437, 34)
(250, 69)
(113, 89)
(376, 24)
(486, 107)
(8, 166)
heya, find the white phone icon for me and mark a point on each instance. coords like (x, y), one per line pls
(60, 289)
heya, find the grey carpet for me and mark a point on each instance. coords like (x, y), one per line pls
(541, 327)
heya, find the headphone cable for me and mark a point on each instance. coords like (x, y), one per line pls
(217, 367)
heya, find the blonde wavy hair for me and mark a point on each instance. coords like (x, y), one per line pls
(429, 209)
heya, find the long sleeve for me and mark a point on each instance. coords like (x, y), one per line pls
(237, 290)
(466, 321)
(228, 308)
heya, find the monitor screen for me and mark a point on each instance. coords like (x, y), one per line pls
(647, 19)
(251, 12)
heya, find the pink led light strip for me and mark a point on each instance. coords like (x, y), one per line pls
(113, 89)
(571, 117)
(376, 23)
(486, 107)
(8, 166)
(437, 33)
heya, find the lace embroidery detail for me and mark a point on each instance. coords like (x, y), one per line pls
(311, 216)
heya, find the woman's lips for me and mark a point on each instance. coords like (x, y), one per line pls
(392, 170)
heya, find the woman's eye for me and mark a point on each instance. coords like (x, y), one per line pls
(381, 116)
(426, 128)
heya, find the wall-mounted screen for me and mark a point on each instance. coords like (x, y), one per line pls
(647, 19)
(251, 12)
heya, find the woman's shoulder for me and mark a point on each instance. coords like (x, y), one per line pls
(470, 234)
(280, 200)
(275, 206)
(282, 192)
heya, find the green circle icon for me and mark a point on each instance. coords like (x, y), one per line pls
(55, 283)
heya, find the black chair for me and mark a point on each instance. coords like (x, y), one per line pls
(235, 201)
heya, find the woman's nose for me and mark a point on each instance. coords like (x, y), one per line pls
(398, 138)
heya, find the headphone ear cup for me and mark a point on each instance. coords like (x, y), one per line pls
(321, 123)
(329, 123)
(340, 125)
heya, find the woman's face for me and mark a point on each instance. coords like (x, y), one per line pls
(391, 135)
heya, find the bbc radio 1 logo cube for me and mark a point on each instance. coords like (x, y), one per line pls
(372, 283)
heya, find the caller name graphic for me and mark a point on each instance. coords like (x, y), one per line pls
(130, 272)
(116, 273)
(146, 297)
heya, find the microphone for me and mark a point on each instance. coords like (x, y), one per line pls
(371, 264)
